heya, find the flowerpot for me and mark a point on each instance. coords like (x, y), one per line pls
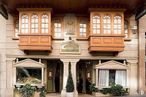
(69, 94)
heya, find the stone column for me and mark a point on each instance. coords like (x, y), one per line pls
(141, 67)
(65, 75)
(10, 76)
(132, 76)
(3, 69)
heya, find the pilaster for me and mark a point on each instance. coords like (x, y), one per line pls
(141, 67)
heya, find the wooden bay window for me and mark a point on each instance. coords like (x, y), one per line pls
(35, 29)
(106, 30)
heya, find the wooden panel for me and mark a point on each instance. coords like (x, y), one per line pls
(74, 6)
(106, 43)
(35, 42)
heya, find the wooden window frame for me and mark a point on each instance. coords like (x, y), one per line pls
(82, 20)
(117, 24)
(99, 17)
(45, 23)
(34, 23)
(21, 23)
(53, 28)
(111, 14)
(109, 24)
(81, 26)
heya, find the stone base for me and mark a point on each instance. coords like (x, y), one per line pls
(63, 93)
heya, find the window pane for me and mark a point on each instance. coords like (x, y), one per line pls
(34, 24)
(117, 25)
(96, 25)
(57, 29)
(107, 25)
(24, 25)
(44, 24)
(28, 75)
(82, 30)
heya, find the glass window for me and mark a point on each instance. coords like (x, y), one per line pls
(96, 25)
(24, 24)
(28, 75)
(57, 28)
(117, 25)
(34, 24)
(45, 24)
(109, 77)
(106, 25)
(83, 31)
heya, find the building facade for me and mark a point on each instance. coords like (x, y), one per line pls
(104, 44)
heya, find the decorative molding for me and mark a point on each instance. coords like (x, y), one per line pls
(70, 24)
(29, 63)
(70, 47)
(112, 65)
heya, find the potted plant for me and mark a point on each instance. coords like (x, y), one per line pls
(70, 84)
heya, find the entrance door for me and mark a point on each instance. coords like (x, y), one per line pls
(54, 76)
(84, 76)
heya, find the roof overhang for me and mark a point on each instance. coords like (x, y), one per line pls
(74, 6)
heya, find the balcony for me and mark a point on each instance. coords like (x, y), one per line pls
(106, 43)
(35, 42)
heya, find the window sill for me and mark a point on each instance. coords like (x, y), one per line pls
(55, 38)
(15, 38)
(127, 39)
(82, 39)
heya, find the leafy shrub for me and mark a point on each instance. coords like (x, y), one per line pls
(93, 88)
(106, 90)
(42, 92)
(118, 90)
(27, 90)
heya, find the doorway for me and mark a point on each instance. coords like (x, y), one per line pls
(54, 76)
(84, 76)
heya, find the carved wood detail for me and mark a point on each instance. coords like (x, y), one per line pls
(114, 44)
(35, 42)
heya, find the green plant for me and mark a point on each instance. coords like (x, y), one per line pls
(93, 88)
(70, 84)
(118, 90)
(42, 92)
(106, 90)
(27, 90)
